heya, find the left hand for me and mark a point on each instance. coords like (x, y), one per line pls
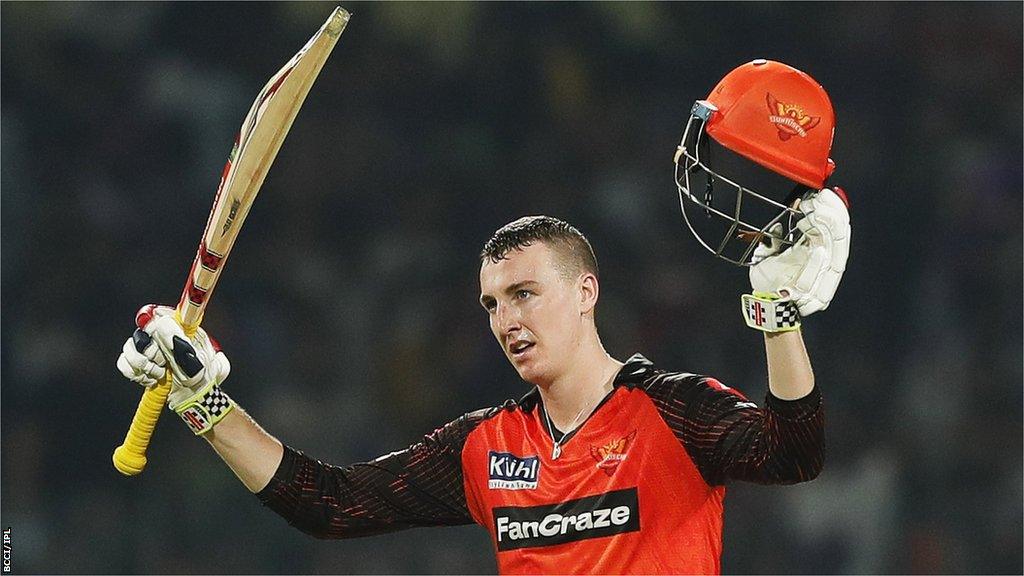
(808, 272)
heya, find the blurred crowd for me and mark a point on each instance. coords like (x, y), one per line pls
(349, 307)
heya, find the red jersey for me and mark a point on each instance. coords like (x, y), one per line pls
(637, 488)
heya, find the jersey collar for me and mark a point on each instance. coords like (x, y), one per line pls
(632, 373)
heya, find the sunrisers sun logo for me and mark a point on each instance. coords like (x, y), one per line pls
(615, 512)
(790, 119)
(611, 454)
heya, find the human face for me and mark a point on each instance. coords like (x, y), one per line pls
(535, 313)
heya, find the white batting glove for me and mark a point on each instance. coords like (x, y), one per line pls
(197, 365)
(807, 273)
(145, 367)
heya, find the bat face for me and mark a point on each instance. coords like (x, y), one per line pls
(260, 137)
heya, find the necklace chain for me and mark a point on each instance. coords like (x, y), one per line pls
(557, 450)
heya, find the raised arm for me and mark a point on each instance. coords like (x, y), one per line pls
(793, 283)
(785, 441)
(419, 486)
(731, 438)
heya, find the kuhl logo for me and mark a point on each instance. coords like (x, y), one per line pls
(615, 512)
(790, 119)
(611, 454)
(510, 472)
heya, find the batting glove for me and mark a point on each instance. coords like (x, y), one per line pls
(197, 366)
(806, 274)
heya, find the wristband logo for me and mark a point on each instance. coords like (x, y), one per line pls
(509, 472)
(607, 514)
(195, 419)
(757, 312)
(790, 119)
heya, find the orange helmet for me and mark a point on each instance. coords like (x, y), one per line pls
(769, 113)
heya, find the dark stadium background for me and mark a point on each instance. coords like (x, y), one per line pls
(349, 306)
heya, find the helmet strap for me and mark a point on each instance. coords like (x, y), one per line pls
(709, 187)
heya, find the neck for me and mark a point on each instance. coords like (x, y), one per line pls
(571, 397)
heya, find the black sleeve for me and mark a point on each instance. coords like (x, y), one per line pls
(730, 438)
(419, 486)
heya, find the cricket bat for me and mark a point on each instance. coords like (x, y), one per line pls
(256, 146)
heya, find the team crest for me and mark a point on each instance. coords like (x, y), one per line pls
(790, 119)
(611, 454)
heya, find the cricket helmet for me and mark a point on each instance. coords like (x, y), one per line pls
(774, 116)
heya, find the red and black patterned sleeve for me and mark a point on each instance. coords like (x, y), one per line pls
(419, 486)
(730, 438)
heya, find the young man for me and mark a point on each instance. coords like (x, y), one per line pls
(603, 467)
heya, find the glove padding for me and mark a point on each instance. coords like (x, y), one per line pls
(808, 272)
(197, 365)
(145, 367)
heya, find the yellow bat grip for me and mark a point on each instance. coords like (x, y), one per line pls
(130, 457)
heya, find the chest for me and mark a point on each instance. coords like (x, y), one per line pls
(618, 468)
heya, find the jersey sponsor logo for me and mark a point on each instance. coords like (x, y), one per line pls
(790, 119)
(510, 472)
(607, 514)
(611, 454)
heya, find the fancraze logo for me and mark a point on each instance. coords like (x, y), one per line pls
(605, 514)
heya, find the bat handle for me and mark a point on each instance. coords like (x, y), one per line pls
(130, 457)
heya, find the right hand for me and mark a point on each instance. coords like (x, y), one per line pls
(197, 363)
